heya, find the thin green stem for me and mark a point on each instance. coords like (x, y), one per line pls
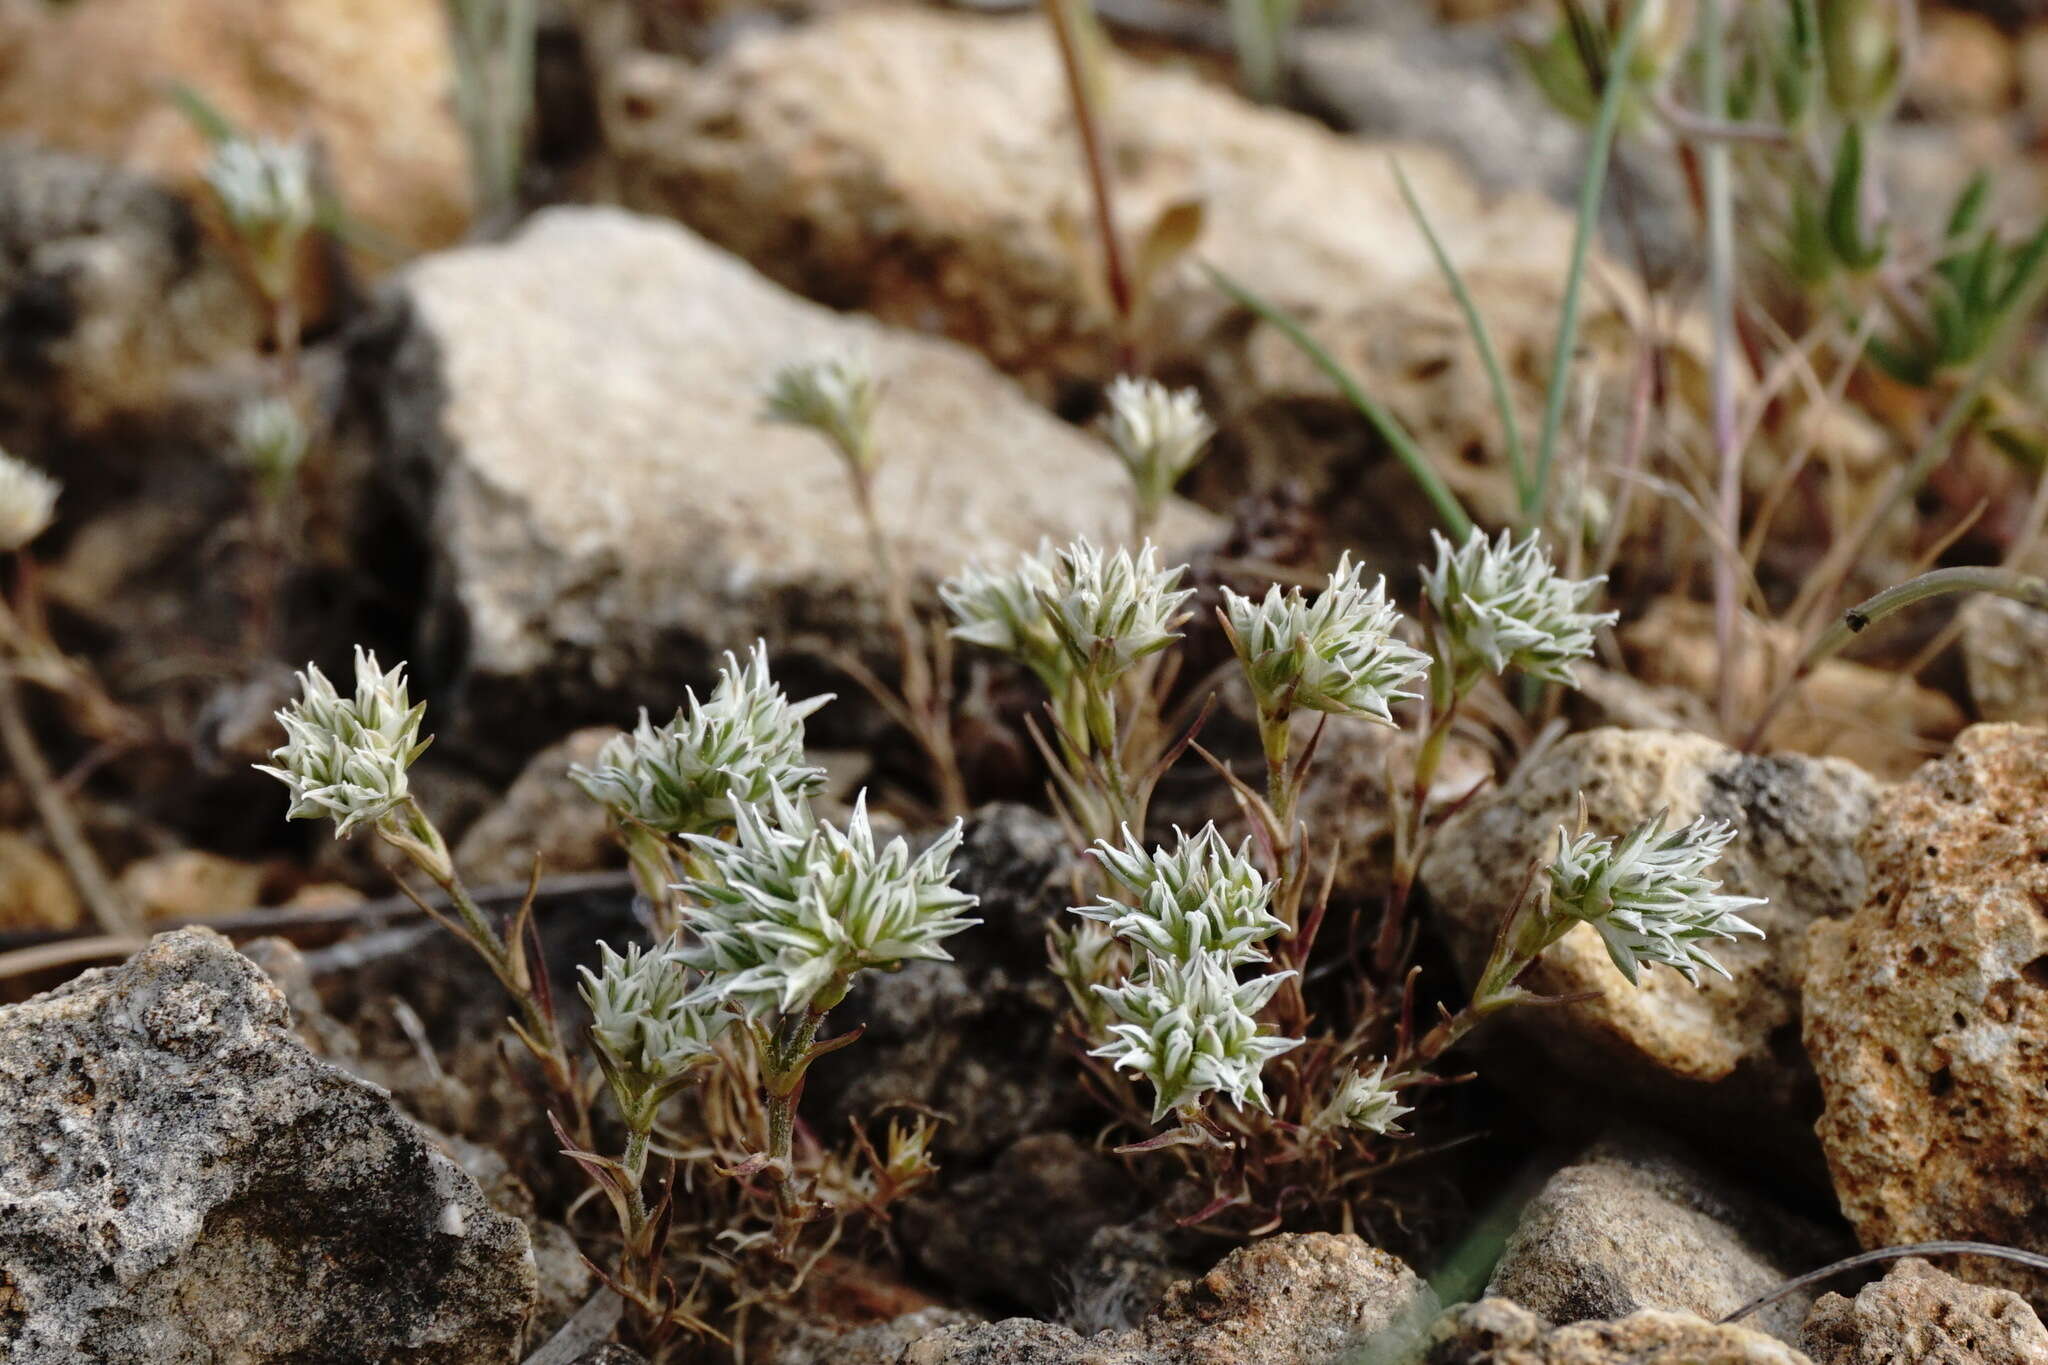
(1590, 191)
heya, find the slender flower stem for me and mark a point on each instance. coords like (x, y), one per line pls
(1446, 696)
(1122, 298)
(783, 1068)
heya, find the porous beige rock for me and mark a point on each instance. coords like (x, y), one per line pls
(923, 166)
(608, 511)
(546, 815)
(1920, 1314)
(180, 1179)
(1501, 1332)
(1927, 1010)
(1723, 1054)
(372, 80)
(1637, 1222)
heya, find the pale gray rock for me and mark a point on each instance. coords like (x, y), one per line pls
(577, 413)
(1498, 1331)
(2005, 658)
(1724, 1055)
(1920, 1314)
(181, 1181)
(1637, 1223)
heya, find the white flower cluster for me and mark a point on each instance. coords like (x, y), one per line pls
(1503, 606)
(1367, 1101)
(28, 502)
(694, 774)
(1182, 1019)
(793, 907)
(648, 1018)
(1648, 895)
(1339, 654)
(271, 439)
(265, 188)
(1191, 1029)
(1072, 610)
(835, 396)
(345, 758)
(1158, 434)
(1202, 897)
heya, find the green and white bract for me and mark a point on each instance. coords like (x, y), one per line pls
(265, 188)
(1191, 1030)
(696, 773)
(345, 759)
(28, 502)
(270, 438)
(1366, 1101)
(1338, 654)
(1006, 612)
(1505, 607)
(1111, 611)
(1158, 434)
(1203, 897)
(836, 397)
(1648, 895)
(646, 1014)
(793, 908)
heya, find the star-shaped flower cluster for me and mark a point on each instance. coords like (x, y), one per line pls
(1339, 654)
(1159, 435)
(647, 1015)
(1191, 1029)
(1503, 606)
(345, 758)
(836, 397)
(1201, 897)
(1368, 1101)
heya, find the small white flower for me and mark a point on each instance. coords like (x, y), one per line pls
(692, 775)
(1367, 1101)
(1203, 897)
(270, 438)
(835, 396)
(28, 502)
(1006, 612)
(647, 1016)
(1338, 654)
(346, 758)
(1504, 606)
(1112, 610)
(1648, 895)
(793, 907)
(1191, 1029)
(265, 188)
(1158, 434)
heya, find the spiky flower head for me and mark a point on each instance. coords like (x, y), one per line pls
(345, 758)
(836, 397)
(1338, 654)
(793, 907)
(1191, 1029)
(1159, 435)
(1201, 896)
(265, 188)
(1648, 895)
(1368, 1101)
(648, 1019)
(1504, 606)
(1112, 610)
(1005, 611)
(694, 774)
(28, 502)
(271, 439)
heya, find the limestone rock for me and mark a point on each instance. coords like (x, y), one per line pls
(923, 167)
(1927, 1009)
(543, 813)
(1502, 1332)
(107, 291)
(1291, 1299)
(1924, 1315)
(1724, 1054)
(580, 411)
(2005, 657)
(1637, 1223)
(181, 1180)
(371, 80)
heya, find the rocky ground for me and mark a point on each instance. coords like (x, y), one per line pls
(260, 1110)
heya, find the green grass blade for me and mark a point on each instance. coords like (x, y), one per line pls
(1481, 337)
(1590, 189)
(1448, 509)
